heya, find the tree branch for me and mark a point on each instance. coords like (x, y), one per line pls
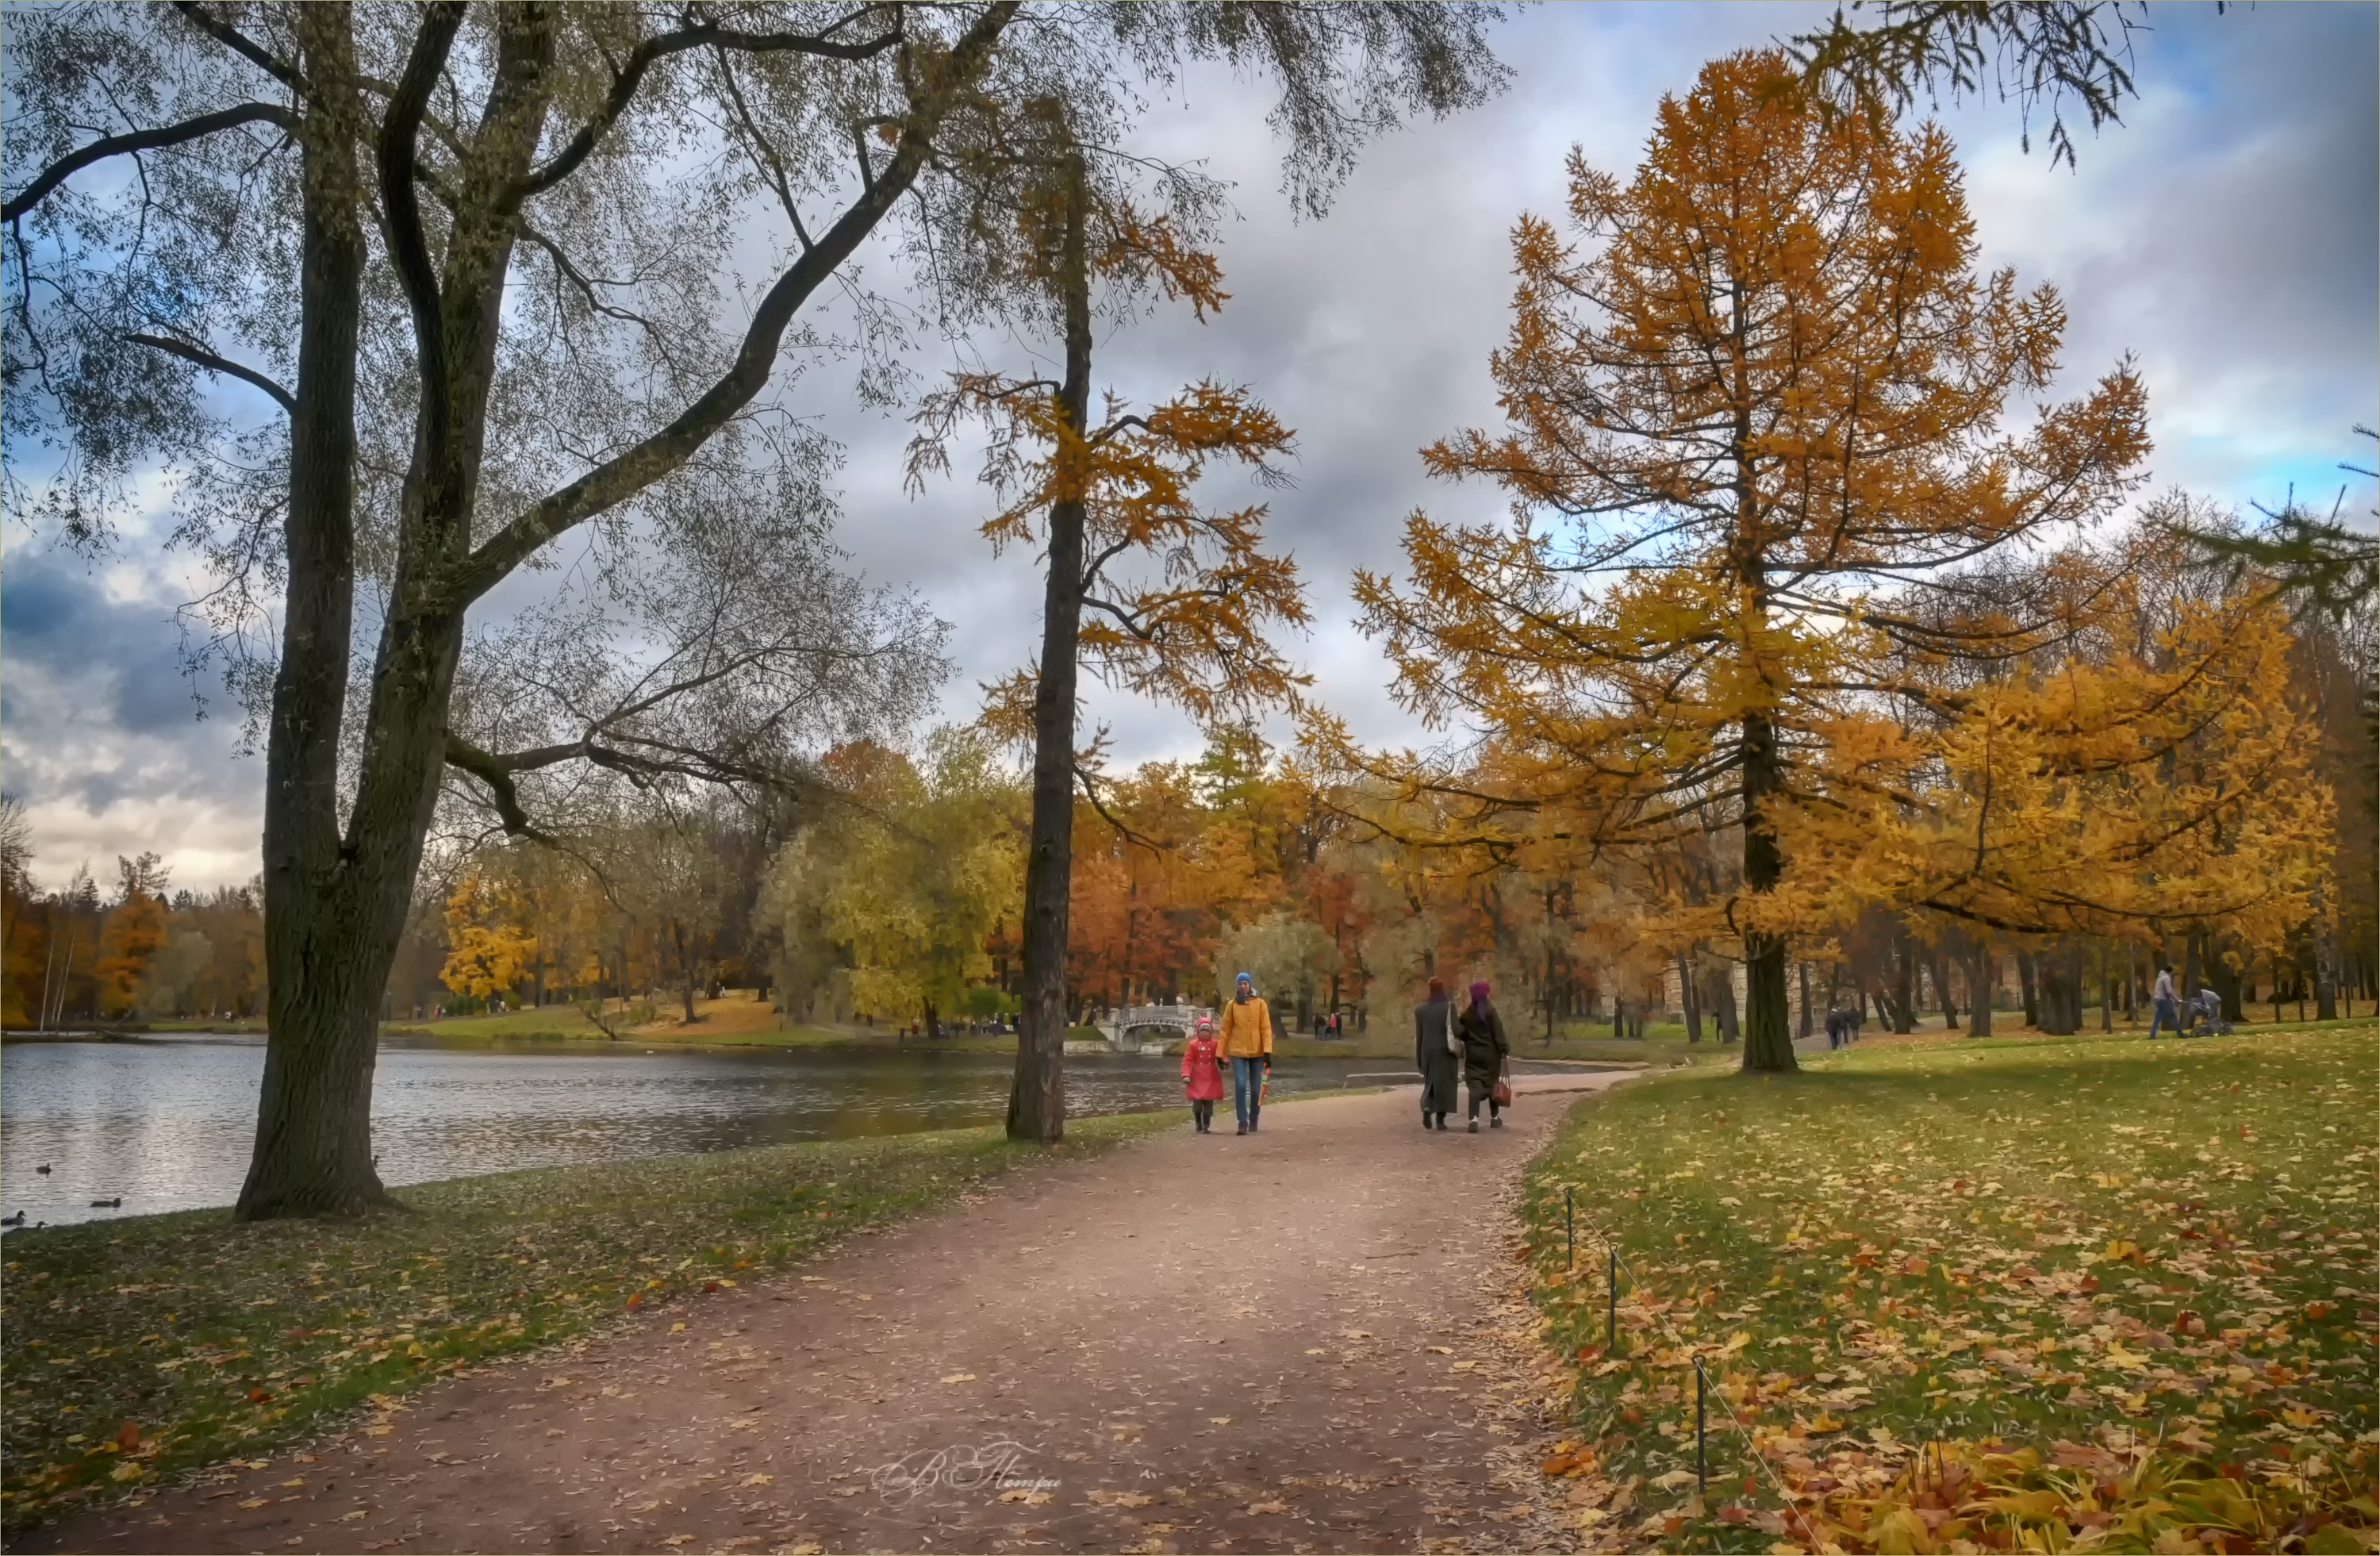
(496, 772)
(213, 363)
(109, 146)
(408, 249)
(633, 471)
(238, 43)
(706, 35)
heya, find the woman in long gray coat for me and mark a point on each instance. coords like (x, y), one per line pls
(1435, 1056)
(1485, 1053)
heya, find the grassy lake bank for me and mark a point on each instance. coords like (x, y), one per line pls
(140, 1349)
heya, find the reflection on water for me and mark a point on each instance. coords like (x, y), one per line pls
(166, 1124)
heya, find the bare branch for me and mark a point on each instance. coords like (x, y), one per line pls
(705, 35)
(213, 363)
(237, 41)
(109, 146)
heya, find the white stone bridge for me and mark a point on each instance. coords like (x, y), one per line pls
(1128, 1029)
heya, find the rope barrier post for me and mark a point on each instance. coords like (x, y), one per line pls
(1702, 1454)
(1610, 1300)
(1569, 1230)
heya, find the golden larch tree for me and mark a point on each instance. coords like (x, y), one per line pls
(1759, 400)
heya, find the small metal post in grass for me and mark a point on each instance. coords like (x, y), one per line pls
(1610, 1299)
(1570, 1231)
(1702, 1454)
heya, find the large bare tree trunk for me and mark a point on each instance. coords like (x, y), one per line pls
(1768, 1032)
(1037, 1098)
(327, 952)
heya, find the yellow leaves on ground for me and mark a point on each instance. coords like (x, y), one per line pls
(1984, 1251)
(1121, 1499)
(2126, 1494)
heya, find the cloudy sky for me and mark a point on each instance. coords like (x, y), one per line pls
(2228, 234)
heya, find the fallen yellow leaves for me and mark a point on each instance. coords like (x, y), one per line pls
(1121, 1499)
(2135, 1495)
(959, 1377)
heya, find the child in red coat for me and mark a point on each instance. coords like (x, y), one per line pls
(1202, 1077)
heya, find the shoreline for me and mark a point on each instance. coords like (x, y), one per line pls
(204, 1332)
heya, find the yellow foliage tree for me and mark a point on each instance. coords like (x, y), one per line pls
(1760, 484)
(906, 895)
(488, 951)
(1099, 497)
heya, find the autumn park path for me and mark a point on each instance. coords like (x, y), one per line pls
(1303, 1340)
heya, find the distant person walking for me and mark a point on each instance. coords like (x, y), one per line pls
(1438, 1054)
(1484, 1052)
(2164, 1008)
(1247, 1043)
(1202, 1075)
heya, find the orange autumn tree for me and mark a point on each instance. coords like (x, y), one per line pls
(134, 935)
(490, 950)
(1753, 411)
(1144, 587)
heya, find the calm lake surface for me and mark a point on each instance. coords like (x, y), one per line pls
(166, 1122)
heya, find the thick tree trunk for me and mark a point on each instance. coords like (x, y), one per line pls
(329, 937)
(2061, 994)
(1037, 1098)
(1690, 998)
(1938, 967)
(1981, 976)
(685, 970)
(1767, 1035)
(2029, 982)
(2326, 969)
(1901, 995)
(2224, 979)
(1722, 983)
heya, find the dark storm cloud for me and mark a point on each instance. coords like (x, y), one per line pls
(99, 733)
(62, 626)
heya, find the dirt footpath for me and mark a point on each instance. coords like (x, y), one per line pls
(1303, 1340)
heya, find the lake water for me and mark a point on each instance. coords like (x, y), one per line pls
(166, 1122)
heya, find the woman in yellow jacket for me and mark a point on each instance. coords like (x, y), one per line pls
(1246, 1042)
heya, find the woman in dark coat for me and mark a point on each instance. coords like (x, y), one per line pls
(1484, 1053)
(1435, 1057)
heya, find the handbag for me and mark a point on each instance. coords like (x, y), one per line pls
(1502, 1095)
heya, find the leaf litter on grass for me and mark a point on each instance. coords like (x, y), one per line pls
(1978, 1296)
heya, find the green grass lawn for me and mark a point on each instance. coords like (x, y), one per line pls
(141, 1348)
(2124, 1290)
(566, 1023)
